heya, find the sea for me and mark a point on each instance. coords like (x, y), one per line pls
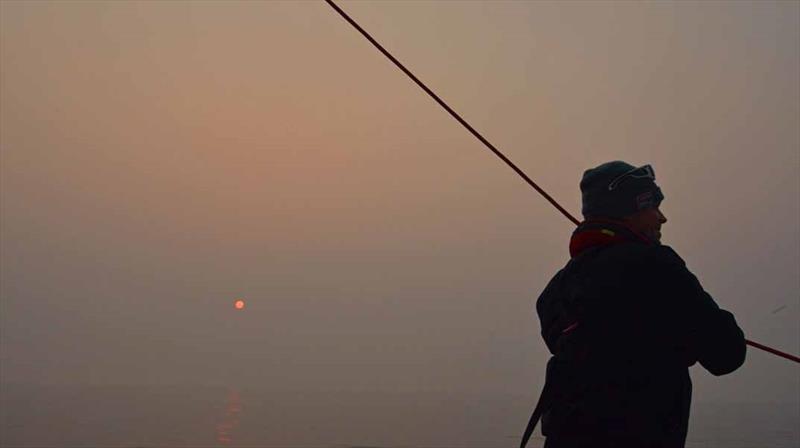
(224, 416)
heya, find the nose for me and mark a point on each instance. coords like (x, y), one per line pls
(661, 218)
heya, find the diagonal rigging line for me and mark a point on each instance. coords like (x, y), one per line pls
(453, 113)
(496, 151)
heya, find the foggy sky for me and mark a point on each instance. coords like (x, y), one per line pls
(162, 159)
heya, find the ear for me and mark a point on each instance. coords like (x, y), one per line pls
(633, 220)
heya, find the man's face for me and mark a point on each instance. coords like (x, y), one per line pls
(648, 222)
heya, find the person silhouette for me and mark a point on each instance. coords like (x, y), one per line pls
(624, 320)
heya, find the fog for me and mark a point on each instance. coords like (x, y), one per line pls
(162, 159)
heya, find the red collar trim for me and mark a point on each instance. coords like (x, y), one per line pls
(599, 233)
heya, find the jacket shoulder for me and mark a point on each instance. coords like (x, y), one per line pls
(664, 255)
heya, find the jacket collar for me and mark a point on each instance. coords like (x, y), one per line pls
(602, 232)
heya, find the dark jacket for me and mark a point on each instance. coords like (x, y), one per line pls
(624, 320)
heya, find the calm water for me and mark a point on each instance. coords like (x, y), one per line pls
(111, 417)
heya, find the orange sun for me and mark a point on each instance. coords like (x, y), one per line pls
(239, 304)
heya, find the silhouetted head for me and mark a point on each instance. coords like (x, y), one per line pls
(620, 191)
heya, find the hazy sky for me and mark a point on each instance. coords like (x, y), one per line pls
(162, 159)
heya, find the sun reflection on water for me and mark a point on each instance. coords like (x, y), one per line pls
(230, 419)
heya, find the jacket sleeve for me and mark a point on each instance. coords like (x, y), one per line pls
(710, 332)
(547, 308)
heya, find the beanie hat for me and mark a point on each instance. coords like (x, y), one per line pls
(618, 189)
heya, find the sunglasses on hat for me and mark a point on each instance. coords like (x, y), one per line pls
(643, 172)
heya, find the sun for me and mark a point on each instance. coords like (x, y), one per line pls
(239, 304)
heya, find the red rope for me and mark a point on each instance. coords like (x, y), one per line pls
(492, 147)
(773, 351)
(453, 113)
